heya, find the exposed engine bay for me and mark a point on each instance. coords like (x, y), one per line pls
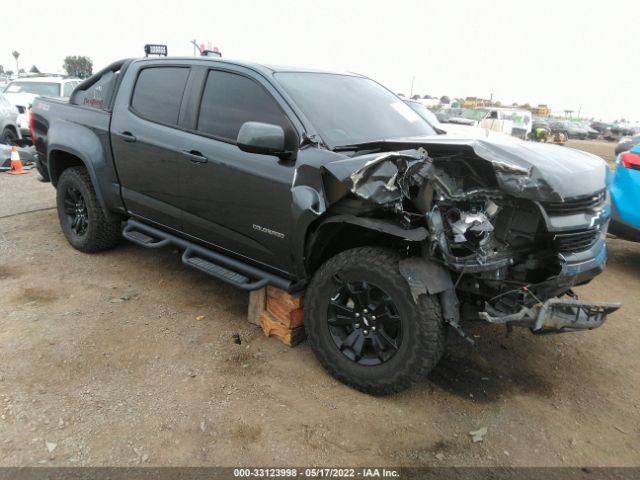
(511, 237)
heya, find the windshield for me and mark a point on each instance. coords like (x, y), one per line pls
(347, 110)
(36, 88)
(476, 115)
(426, 114)
(473, 114)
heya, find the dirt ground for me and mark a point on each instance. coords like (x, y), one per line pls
(104, 363)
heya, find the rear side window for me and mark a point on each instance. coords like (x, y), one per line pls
(229, 100)
(99, 94)
(158, 93)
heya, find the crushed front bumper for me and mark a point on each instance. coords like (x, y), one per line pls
(557, 315)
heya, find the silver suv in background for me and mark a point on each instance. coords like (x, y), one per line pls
(22, 91)
(9, 131)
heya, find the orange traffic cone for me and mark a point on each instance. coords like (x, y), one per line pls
(16, 163)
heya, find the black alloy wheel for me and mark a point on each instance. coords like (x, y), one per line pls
(75, 209)
(364, 322)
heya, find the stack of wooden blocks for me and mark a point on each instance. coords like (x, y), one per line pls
(278, 313)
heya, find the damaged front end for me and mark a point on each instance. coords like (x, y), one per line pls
(511, 228)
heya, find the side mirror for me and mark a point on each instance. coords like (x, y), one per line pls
(262, 138)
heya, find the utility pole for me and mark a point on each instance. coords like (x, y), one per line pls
(195, 47)
(411, 93)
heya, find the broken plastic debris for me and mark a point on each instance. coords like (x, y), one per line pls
(478, 435)
(236, 339)
(200, 317)
(51, 446)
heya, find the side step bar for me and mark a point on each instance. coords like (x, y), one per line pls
(212, 263)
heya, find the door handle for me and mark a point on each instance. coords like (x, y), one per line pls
(127, 137)
(195, 156)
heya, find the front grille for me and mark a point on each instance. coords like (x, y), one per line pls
(575, 205)
(576, 241)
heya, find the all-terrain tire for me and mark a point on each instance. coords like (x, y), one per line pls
(43, 173)
(423, 330)
(100, 233)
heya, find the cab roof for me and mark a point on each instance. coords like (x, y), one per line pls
(264, 68)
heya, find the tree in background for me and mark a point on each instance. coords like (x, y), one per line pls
(16, 54)
(415, 97)
(78, 66)
(1, 69)
(400, 94)
(445, 100)
(34, 69)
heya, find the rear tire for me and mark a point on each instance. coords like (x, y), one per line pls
(9, 137)
(81, 217)
(43, 173)
(348, 339)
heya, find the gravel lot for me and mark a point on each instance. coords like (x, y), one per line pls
(104, 363)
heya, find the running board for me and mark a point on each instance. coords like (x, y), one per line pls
(217, 265)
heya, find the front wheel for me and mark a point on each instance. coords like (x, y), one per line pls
(365, 327)
(81, 217)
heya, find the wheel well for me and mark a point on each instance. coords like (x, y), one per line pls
(60, 161)
(330, 240)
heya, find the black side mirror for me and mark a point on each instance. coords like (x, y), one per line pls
(262, 138)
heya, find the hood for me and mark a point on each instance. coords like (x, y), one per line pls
(23, 99)
(531, 170)
(462, 121)
(469, 132)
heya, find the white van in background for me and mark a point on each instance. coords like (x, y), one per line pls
(510, 121)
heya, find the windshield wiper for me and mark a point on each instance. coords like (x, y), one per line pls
(375, 145)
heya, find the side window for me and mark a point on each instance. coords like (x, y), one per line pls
(229, 100)
(67, 88)
(97, 95)
(158, 93)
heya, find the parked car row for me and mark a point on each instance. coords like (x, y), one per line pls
(21, 93)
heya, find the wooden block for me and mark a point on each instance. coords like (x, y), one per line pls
(257, 304)
(280, 296)
(273, 328)
(288, 317)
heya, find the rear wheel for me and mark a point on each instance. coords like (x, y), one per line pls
(8, 137)
(81, 217)
(43, 173)
(365, 327)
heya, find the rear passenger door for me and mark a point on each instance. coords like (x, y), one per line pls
(238, 201)
(146, 141)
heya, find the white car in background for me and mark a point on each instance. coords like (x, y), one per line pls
(509, 121)
(450, 129)
(9, 130)
(22, 91)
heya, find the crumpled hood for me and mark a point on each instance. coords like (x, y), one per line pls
(535, 171)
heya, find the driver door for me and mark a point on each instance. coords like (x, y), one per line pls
(234, 200)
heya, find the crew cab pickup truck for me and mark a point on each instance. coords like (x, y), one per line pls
(328, 185)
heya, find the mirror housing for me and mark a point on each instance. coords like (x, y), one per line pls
(262, 138)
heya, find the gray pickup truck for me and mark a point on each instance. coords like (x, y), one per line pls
(328, 185)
